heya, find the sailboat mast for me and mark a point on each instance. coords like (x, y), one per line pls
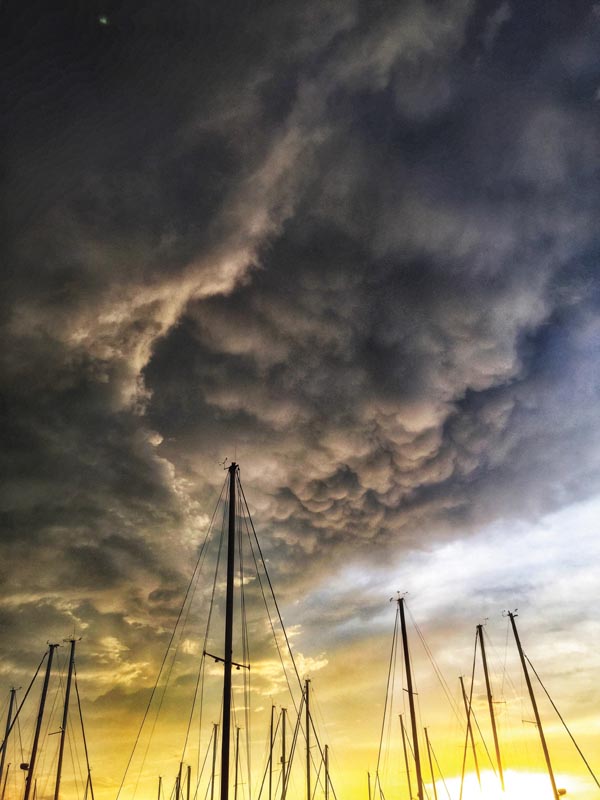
(11, 703)
(214, 762)
(271, 753)
(405, 756)
(38, 726)
(435, 795)
(65, 719)
(411, 699)
(534, 704)
(469, 726)
(326, 772)
(490, 704)
(5, 782)
(237, 757)
(283, 756)
(228, 654)
(307, 720)
(179, 792)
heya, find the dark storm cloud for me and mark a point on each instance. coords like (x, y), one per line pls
(355, 242)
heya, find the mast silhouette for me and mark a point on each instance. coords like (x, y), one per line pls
(490, 704)
(65, 718)
(11, 703)
(469, 727)
(228, 654)
(411, 699)
(538, 721)
(405, 756)
(435, 794)
(307, 718)
(38, 726)
(271, 752)
(283, 755)
(214, 761)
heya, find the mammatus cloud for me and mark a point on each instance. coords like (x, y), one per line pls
(353, 247)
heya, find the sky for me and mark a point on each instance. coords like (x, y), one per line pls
(353, 247)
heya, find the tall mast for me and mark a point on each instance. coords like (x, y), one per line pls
(65, 719)
(271, 753)
(11, 703)
(188, 782)
(534, 704)
(5, 781)
(38, 726)
(214, 761)
(490, 704)
(228, 654)
(283, 756)
(411, 699)
(159, 787)
(178, 791)
(469, 726)
(237, 757)
(326, 772)
(435, 795)
(369, 783)
(406, 756)
(307, 719)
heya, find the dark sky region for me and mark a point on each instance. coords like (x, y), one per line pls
(352, 245)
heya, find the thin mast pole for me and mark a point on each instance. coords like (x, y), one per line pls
(411, 700)
(65, 719)
(11, 703)
(307, 719)
(228, 654)
(283, 755)
(178, 793)
(490, 704)
(237, 751)
(214, 762)
(271, 753)
(29, 779)
(189, 782)
(5, 781)
(469, 726)
(85, 747)
(430, 764)
(534, 704)
(326, 772)
(369, 783)
(159, 786)
(405, 756)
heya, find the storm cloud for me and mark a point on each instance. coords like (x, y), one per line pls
(352, 245)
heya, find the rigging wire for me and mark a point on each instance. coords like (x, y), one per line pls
(391, 664)
(16, 716)
(245, 639)
(162, 665)
(439, 770)
(272, 591)
(200, 674)
(85, 747)
(563, 722)
(438, 673)
(248, 518)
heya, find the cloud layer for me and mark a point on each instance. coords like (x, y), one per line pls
(354, 247)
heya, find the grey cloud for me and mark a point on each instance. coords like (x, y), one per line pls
(359, 247)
